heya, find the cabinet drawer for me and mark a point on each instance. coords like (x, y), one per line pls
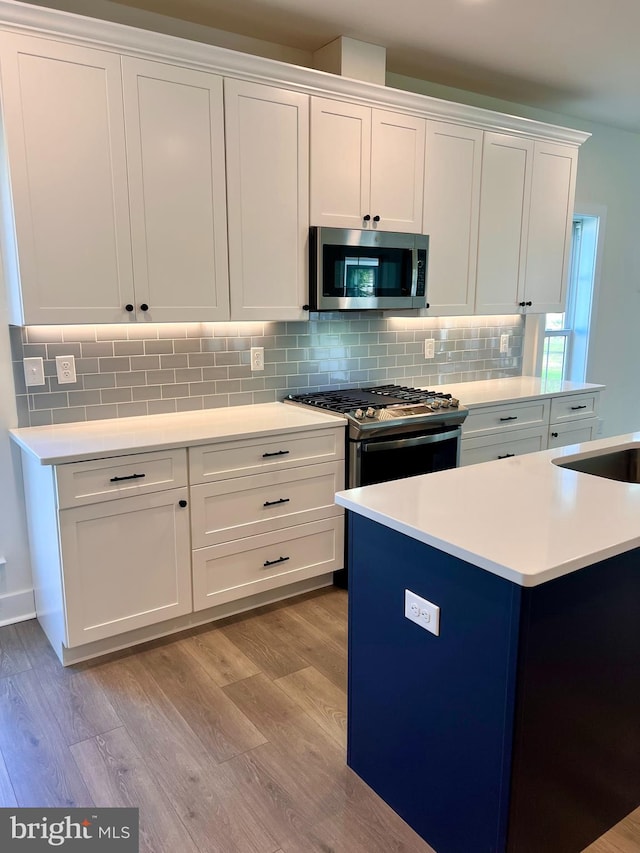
(573, 433)
(246, 506)
(106, 479)
(251, 456)
(236, 569)
(497, 418)
(574, 407)
(488, 448)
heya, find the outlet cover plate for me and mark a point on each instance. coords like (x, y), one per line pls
(257, 358)
(66, 369)
(429, 348)
(424, 613)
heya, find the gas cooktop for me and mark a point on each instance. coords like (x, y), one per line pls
(386, 408)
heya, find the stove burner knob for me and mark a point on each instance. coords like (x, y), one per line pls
(454, 403)
(444, 404)
(359, 414)
(371, 412)
(435, 404)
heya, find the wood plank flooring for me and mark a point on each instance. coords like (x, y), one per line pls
(227, 738)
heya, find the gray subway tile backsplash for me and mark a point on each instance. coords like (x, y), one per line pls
(137, 369)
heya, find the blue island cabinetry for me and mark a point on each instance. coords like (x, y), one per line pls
(517, 729)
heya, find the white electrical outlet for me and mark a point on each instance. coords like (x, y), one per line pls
(424, 613)
(429, 348)
(504, 343)
(257, 358)
(33, 371)
(65, 369)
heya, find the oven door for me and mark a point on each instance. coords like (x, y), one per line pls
(379, 460)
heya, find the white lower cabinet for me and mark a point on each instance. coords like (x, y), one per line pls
(510, 429)
(132, 547)
(254, 532)
(126, 564)
(244, 567)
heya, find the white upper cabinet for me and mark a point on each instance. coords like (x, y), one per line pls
(504, 215)
(451, 204)
(119, 202)
(64, 135)
(174, 126)
(367, 167)
(267, 141)
(550, 226)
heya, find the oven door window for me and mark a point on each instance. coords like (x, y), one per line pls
(384, 460)
(355, 272)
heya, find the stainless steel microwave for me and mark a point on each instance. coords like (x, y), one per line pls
(353, 270)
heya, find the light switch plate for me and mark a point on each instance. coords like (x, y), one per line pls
(424, 613)
(33, 371)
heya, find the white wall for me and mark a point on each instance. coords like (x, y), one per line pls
(608, 176)
(16, 596)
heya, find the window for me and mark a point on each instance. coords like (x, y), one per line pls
(566, 336)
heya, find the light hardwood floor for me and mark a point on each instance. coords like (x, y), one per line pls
(228, 738)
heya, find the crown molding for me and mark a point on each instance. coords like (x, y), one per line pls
(121, 38)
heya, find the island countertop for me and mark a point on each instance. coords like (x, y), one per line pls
(524, 519)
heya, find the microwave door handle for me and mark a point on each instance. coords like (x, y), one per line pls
(414, 271)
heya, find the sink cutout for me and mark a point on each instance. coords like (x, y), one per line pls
(622, 465)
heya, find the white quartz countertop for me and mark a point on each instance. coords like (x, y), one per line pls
(524, 519)
(512, 389)
(58, 444)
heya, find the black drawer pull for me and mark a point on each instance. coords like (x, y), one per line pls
(129, 477)
(277, 453)
(273, 562)
(506, 455)
(182, 504)
(279, 501)
(554, 435)
(575, 408)
(510, 418)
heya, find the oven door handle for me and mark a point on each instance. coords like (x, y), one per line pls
(375, 446)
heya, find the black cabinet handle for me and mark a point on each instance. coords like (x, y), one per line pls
(129, 477)
(506, 455)
(128, 307)
(376, 218)
(277, 453)
(182, 504)
(367, 217)
(554, 435)
(575, 408)
(510, 418)
(144, 306)
(280, 501)
(273, 562)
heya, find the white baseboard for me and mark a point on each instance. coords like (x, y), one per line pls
(17, 607)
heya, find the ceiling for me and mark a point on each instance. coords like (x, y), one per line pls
(578, 57)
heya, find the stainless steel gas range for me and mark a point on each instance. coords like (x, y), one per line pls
(393, 431)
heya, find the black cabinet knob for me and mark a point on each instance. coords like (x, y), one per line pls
(427, 305)
(182, 504)
(554, 435)
(367, 217)
(128, 307)
(376, 219)
(528, 303)
(144, 306)
(522, 304)
(305, 307)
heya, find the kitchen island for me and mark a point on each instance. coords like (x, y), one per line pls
(515, 727)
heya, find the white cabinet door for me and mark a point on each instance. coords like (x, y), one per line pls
(340, 165)
(560, 435)
(550, 225)
(451, 203)
(504, 219)
(175, 151)
(267, 140)
(64, 131)
(126, 564)
(367, 167)
(397, 171)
